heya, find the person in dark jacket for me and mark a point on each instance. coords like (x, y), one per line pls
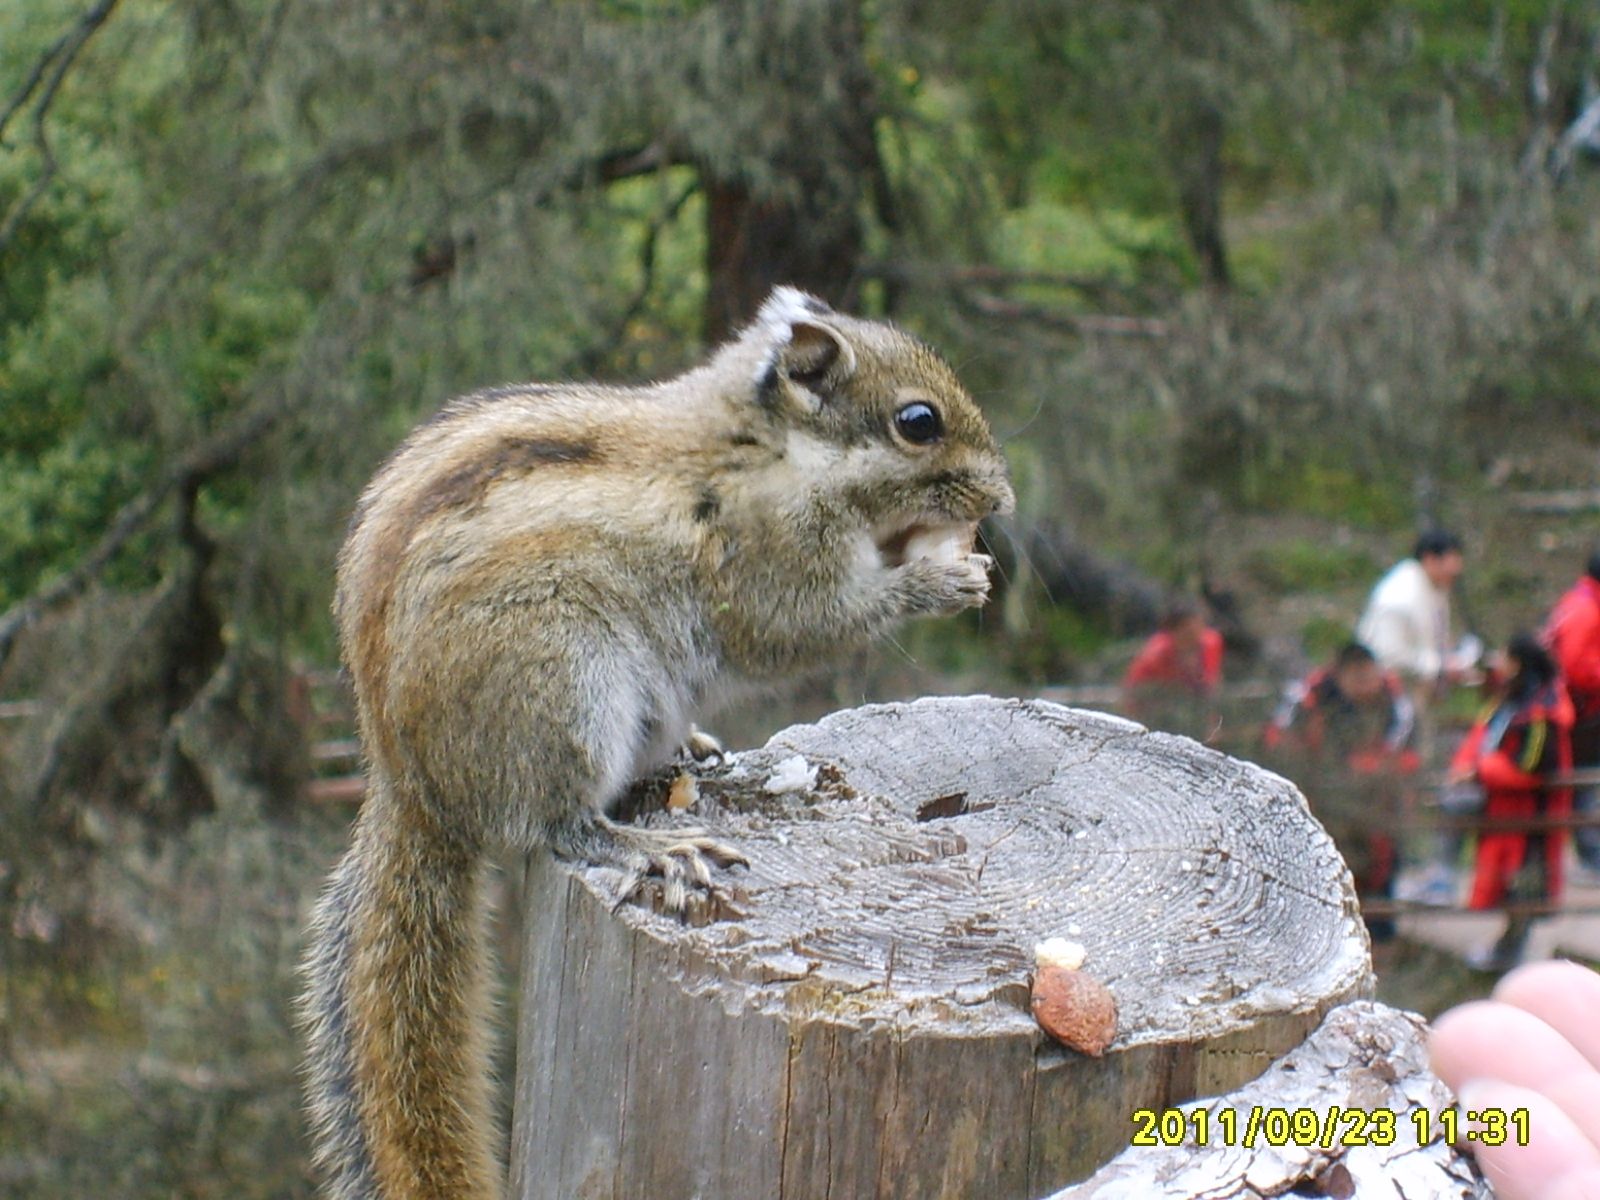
(1352, 709)
(1344, 733)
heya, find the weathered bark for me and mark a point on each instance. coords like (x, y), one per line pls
(1365, 1059)
(851, 1017)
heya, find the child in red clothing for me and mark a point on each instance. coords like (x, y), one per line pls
(1184, 656)
(1172, 682)
(1525, 736)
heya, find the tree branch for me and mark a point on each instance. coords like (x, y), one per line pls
(971, 287)
(626, 164)
(647, 278)
(45, 78)
(1539, 94)
(215, 454)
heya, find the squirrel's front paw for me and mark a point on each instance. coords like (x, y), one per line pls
(679, 859)
(945, 587)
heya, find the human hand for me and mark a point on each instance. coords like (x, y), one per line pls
(1536, 1045)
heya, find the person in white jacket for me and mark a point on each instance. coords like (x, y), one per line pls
(1406, 624)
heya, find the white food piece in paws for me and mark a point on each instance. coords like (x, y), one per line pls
(941, 543)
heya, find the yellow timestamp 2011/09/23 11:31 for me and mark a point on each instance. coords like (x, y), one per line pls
(1325, 1127)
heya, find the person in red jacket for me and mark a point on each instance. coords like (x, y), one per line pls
(1525, 736)
(1572, 634)
(1177, 671)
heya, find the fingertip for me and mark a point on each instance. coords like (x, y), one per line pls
(1564, 995)
(1542, 1151)
(1575, 1185)
(1488, 1039)
(1456, 1038)
(1533, 980)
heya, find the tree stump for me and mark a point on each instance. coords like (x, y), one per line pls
(851, 1017)
(1366, 1060)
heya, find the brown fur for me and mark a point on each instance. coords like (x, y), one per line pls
(540, 590)
(416, 1091)
(465, 486)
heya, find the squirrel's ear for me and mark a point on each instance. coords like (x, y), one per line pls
(812, 351)
(802, 347)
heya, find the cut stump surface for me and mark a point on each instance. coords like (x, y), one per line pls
(850, 1017)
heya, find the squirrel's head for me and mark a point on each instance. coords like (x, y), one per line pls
(882, 416)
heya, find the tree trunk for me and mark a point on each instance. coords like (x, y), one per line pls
(754, 243)
(799, 216)
(1197, 159)
(851, 1017)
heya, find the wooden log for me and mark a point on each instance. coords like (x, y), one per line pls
(851, 1018)
(1337, 1117)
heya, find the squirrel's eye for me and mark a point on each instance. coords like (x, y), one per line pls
(919, 423)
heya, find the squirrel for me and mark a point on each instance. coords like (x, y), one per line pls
(539, 592)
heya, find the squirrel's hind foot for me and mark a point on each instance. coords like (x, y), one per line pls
(680, 859)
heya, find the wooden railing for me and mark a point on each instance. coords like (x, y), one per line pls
(320, 702)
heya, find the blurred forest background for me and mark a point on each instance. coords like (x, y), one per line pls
(1251, 289)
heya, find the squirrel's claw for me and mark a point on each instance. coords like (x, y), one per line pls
(680, 859)
(701, 747)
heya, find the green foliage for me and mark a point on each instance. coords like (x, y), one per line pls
(1113, 246)
(55, 505)
(55, 365)
(369, 212)
(1308, 565)
(1335, 492)
(1321, 637)
(1059, 638)
(239, 328)
(1513, 586)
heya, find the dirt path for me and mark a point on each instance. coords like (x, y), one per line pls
(1566, 935)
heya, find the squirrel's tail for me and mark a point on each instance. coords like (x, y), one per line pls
(396, 1012)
